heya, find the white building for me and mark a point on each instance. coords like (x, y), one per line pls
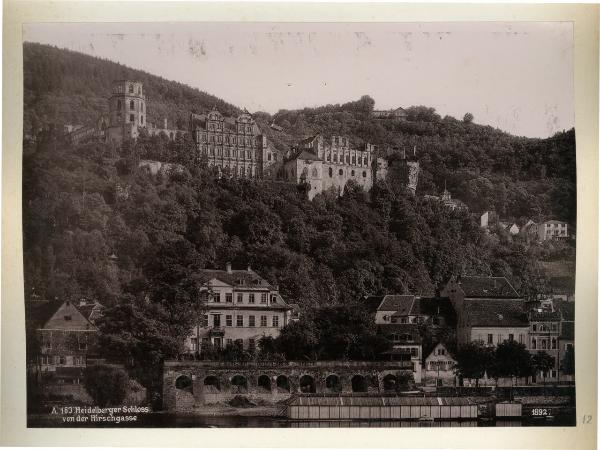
(239, 307)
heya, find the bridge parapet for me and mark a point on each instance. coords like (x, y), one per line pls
(190, 384)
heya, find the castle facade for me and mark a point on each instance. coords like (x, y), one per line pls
(235, 145)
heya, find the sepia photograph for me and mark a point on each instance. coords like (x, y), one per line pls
(299, 225)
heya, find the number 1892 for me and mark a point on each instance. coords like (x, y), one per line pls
(539, 412)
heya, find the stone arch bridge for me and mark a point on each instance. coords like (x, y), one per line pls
(187, 384)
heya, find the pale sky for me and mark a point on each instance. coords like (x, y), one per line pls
(514, 76)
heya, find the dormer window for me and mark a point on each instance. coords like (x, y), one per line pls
(68, 317)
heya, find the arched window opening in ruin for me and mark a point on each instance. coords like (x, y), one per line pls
(390, 383)
(239, 384)
(333, 384)
(264, 382)
(330, 172)
(283, 383)
(341, 172)
(184, 383)
(359, 383)
(364, 174)
(307, 385)
(211, 383)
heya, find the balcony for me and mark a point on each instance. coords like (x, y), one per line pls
(216, 332)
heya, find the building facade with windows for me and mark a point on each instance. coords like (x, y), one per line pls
(235, 146)
(238, 307)
(552, 229)
(439, 366)
(335, 162)
(66, 340)
(544, 335)
(406, 345)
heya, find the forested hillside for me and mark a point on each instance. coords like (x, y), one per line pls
(484, 167)
(65, 87)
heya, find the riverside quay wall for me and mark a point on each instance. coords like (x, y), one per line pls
(188, 384)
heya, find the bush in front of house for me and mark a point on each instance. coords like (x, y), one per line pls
(107, 385)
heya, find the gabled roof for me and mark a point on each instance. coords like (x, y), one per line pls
(495, 313)
(487, 287)
(399, 304)
(245, 278)
(68, 318)
(429, 351)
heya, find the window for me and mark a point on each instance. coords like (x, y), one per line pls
(228, 320)
(520, 338)
(217, 320)
(194, 342)
(119, 104)
(204, 320)
(239, 321)
(131, 118)
(263, 321)
(217, 297)
(62, 360)
(330, 172)
(511, 337)
(364, 174)
(441, 351)
(131, 88)
(263, 298)
(83, 343)
(275, 321)
(251, 321)
(534, 343)
(341, 172)
(250, 296)
(229, 297)
(142, 120)
(352, 173)
(490, 339)
(553, 344)
(229, 342)
(534, 327)
(131, 105)
(544, 344)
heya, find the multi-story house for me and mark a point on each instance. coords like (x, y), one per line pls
(552, 229)
(439, 367)
(544, 335)
(406, 345)
(66, 340)
(235, 145)
(488, 309)
(238, 307)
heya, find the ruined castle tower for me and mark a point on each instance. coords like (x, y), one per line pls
(127, 110)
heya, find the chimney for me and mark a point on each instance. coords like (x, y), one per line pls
(228, 267)
(165, 123)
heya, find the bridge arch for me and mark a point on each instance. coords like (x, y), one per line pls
(283, 384)
(212, 383)
(239, 384)
(264, 383)
(333, 383)
(307, 384)
(184, 383)
(390, 382)
(359, 383)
